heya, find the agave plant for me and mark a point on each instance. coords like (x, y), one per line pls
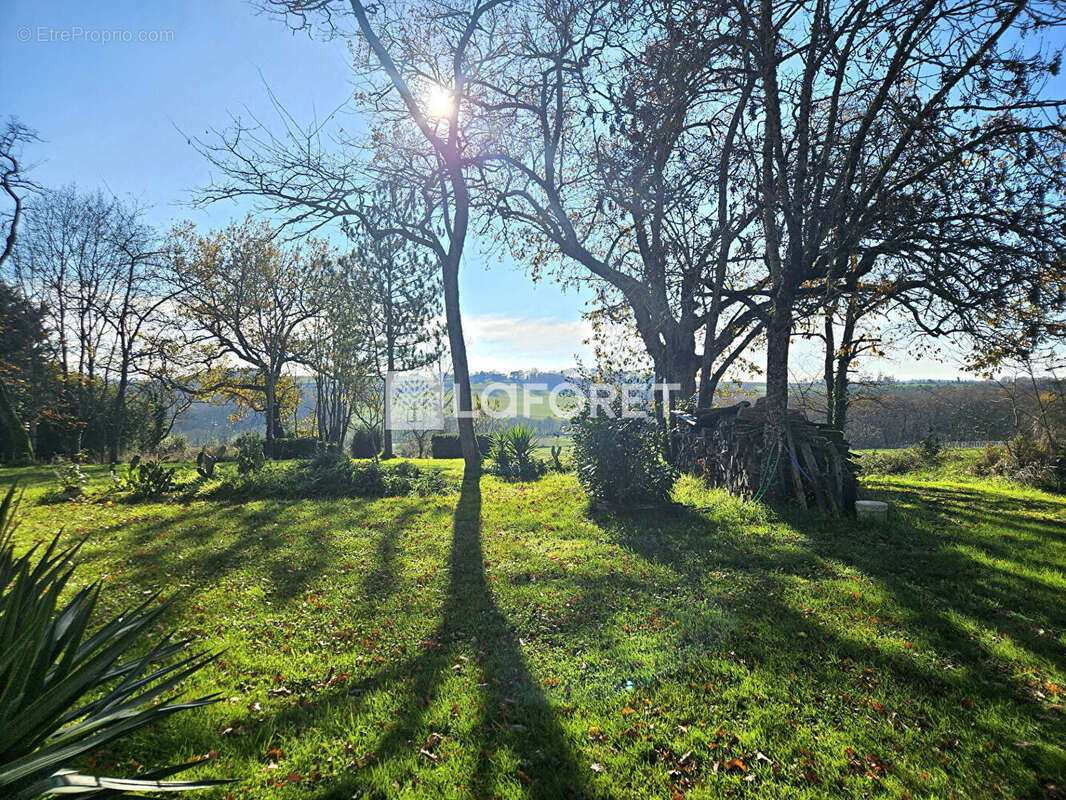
(521, 441)
(513, 451)
(65, 691)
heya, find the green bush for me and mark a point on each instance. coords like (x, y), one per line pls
(71, 482)
(174, 445)
(248, 453)
(64, 692)
(512, 453)
(891, 462)
(302, 447)
(445, 445)
(618, 460)
(365, 443)
(326, 455)
(1023, 460)
(144, 479)
(930, 450)
(332, 475)
(448, 445)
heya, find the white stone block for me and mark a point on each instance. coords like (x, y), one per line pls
(871, 510)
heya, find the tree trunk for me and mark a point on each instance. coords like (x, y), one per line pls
(829, 370)
(390, 365)
(269, 391)
(682, 364)
(778, 335)
(840, 393)
(461, 369)
(118, 418)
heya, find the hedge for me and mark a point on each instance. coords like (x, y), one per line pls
(447, 445)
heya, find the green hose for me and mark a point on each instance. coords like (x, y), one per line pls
(768, 474)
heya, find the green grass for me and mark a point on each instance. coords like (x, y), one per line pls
(714, 649)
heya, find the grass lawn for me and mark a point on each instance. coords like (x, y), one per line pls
(503, 641)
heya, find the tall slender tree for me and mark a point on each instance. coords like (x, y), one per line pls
(399, 300)
(418, 68)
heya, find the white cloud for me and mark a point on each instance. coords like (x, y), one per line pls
(504, 343)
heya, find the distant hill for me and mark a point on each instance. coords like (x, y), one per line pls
(205, 422)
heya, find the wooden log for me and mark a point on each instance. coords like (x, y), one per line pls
(797, 479)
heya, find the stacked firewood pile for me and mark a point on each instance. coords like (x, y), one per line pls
(726, 447)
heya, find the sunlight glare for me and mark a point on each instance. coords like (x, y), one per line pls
(439, 102)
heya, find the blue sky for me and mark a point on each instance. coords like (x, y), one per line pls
(112, 115)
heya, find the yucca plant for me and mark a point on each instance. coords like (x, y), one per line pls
(513, 451)
(521, 441)
(65, 691)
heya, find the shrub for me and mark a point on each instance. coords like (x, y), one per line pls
(365, 444)
(71, 482)
(1024, 460)
(174, 445)
(512, 452)
(326, 455)
(144, 479)
(990, 460)
(618, 460)
(445, 445)
(332, 474)
(63, 693)
(448, 445)
(302, 447)
(930, 450)
(405, 478)
(890, 462)
(248, 453)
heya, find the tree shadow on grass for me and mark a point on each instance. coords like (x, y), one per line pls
(937, 591)
(514, 738)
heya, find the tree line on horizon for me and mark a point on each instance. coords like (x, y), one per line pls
(110, 330)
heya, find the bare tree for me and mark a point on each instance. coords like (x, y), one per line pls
(418, 64)
(13, 179)
(622, 154)
(865, 109)
(132, 310)
(13, 182)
